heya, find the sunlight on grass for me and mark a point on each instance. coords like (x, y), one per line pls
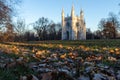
(34, 57)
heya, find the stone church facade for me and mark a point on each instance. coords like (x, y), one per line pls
(73, 27)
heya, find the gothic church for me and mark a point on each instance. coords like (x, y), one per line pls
(73, 27)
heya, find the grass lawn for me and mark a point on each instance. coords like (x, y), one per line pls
(16, 57)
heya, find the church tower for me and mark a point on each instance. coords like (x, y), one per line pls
(73, 27)
(63, 24)
(73, 22)
(83, 35)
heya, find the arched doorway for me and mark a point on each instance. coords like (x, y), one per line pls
(78, 35)
(67, 35)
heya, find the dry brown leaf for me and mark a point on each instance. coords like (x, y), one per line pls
(13, 64)
(47, 76)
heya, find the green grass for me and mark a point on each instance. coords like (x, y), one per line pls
(15, 73)
(94, 45)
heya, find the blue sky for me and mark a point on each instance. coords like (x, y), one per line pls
(94, 10)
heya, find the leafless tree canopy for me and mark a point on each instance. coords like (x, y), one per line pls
(109, 26)
(47, 30)
(7, 10)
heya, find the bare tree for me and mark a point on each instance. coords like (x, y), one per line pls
(115, 25)
(29, 36)
(20, 29)
(109, 26)
(89, 34)
(9, 35)
(58, 31)
(20, 26)
(52, 31)
(40, 27)
(7, 10)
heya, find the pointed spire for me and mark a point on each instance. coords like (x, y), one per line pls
(72, 11)
(81, 12)
(72, 7)
(63, 17)
(62, 12)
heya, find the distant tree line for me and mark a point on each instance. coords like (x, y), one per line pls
(108, 28)
(47, 30)
(43, 29)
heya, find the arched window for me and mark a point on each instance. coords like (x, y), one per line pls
(68, 24)
(67, 35)
(78, 35)
(77, 24)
